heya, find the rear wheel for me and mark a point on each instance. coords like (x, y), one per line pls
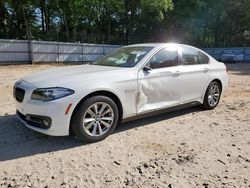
(212, 96)
(95, 119)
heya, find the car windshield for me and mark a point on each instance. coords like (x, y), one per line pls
(123, 57)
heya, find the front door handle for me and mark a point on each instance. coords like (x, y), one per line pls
(206, 69)
(177, 73)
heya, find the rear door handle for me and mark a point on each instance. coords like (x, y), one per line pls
(206, 69)
(177, 73)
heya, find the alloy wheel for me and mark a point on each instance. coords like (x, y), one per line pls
(213, 95)
(98, 119)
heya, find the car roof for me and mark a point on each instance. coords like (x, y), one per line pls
(157, 45)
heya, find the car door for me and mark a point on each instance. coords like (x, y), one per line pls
(158, 81)
(194, 74)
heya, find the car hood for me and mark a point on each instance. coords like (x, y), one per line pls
(66, 75)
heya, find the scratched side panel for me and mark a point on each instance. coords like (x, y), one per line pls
(158, 89)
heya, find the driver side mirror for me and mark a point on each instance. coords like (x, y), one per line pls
(146, 68)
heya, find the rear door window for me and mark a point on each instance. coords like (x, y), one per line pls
(203, 58)
(189, 56)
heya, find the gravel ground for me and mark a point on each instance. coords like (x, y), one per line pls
(186, 148)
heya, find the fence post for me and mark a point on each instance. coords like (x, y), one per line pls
(58, 53)
(30, 50)
(82, 53)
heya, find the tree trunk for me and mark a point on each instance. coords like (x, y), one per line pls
(46, 16)
(2, 20)
(42, 9)
(126, 21)
(66, 26)
(109, 30)
(27, 28)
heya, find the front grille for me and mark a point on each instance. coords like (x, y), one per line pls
(19, 94)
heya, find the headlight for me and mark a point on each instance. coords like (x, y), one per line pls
(49, 94)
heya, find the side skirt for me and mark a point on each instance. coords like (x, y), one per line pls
(161, 111)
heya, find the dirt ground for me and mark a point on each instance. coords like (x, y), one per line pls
(186, 148)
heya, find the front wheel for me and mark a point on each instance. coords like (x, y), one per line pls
(212, 96)
(95, 119)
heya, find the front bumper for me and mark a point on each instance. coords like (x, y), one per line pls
(52, 111)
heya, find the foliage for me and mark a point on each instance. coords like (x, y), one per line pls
(204, 23)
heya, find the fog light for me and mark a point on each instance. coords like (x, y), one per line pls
(45, 123)
(28, 117)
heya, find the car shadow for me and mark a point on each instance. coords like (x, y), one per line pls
(17, 141)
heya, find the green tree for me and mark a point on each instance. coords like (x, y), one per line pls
(203, 23)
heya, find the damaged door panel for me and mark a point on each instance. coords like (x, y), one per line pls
(157, 84)
(157, 89)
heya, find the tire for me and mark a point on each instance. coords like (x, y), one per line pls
(213, 93)
(95, 119)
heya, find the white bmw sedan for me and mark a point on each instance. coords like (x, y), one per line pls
(131, 82)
